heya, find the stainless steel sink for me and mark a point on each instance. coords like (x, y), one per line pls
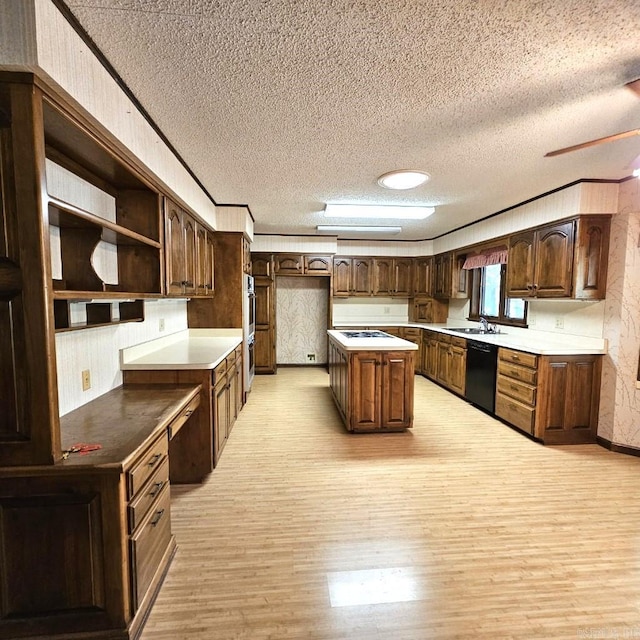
(474, 330)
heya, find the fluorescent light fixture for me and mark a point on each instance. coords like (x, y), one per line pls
(403, 179)
(378, 211)
(350, 228)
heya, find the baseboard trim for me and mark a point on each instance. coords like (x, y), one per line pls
(617, 448)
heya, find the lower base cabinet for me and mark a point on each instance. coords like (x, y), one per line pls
(553, 398)
(373, 390)
(221, 399)
(445, 360)
(85, 547)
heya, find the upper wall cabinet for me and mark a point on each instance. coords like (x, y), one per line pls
(189, 254)
(562, 260)
(352, 276)
(423, 276)
(442, 275)
(180, 250)
(393, 277)
(290, 264)
(262, 265)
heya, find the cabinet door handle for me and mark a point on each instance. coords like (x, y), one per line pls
(513, 387)
(189, 412)
(155, 459)
(154, 521)
(514, 357)
(156, 488)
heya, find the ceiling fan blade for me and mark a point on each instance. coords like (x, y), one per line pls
(634, 86)
(591, 143)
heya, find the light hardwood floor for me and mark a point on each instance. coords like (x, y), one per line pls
(479, 531)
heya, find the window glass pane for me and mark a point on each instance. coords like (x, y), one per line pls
(490, 303)
(515, 308)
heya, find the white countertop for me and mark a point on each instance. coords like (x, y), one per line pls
(538, 342)
(372, 344)
(190, 349)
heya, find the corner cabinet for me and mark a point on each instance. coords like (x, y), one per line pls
(563, 260)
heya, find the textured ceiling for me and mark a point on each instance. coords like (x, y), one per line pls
(285, 105)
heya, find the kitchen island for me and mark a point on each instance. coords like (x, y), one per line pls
(371, 375)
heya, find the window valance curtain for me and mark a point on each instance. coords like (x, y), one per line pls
(496, 255)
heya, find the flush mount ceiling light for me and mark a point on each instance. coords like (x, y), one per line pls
(349, 228)
(379, 211)
(403, 179)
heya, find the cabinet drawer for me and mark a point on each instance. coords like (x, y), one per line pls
(185, 414)
(219, 372)
(412, 333)
(516, 389)
(519, 357)
(515, 413)
(459, 342)
(141, 504)
(530, 376)
(149, 544)
(146, 465)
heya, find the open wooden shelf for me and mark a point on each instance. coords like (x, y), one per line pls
(98, 314)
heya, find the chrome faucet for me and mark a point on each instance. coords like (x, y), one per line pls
(484, 324)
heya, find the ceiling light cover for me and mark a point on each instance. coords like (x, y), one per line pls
(403, 179)
(378, 211)
(346, 228)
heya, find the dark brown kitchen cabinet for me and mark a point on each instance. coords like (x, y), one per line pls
(460, 280)
(181, 262)
(205, 261)
(562, 260)
(302, 265)
(93, 563)
(392, 277)
(352, 276)
(262, 265)
(553, 398)
(428, 310)
(446, 360)
(265, 336)
(224, 309)
(442, 270)
(289, 264)
(372, 389)
(423, 277)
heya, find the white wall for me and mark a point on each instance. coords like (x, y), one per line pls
(97, 349)
(619, 420)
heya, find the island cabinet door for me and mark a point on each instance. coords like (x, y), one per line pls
(397, 390)
(366, 376)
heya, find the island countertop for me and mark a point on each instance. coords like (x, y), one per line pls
(190, 349)
(384, 342)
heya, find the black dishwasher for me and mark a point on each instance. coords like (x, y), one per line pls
(482, 359)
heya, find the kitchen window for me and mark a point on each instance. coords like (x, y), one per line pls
(488, 299)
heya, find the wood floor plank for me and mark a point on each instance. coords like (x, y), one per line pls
(503, 537)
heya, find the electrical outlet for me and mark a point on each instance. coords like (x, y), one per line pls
(86, 380)
(311, 357)
(559, 322)
(387, 310)
(161, 324)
